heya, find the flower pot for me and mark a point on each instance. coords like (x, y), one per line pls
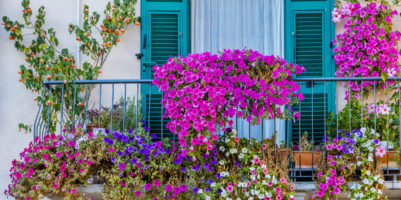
(304, 159)
(281, 154)
(393, 159)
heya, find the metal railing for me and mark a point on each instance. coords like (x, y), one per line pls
(85, 94)
(340, 85)
(322, 96)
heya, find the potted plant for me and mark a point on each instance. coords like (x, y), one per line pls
(392, 156)
(93, 119)
(272, 149)
(303, 155)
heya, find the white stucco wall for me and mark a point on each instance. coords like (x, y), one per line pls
(16, 103)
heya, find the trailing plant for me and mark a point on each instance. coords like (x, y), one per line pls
(46, 60)
(57, 165)
(340, 160)
(368, 47)
(205, 90)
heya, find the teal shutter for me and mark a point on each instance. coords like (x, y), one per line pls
(164, 33)
(308, 33)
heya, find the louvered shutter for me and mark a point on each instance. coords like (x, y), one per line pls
(309, 31)
(165, 33)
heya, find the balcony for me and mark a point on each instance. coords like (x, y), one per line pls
(125, 103)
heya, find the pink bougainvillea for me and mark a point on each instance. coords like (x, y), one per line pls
(368, 47)
(204, 90)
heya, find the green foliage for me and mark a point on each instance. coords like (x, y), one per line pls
(46, 60)
(130, 121)
(130, 114)
(305, 144)
(383, 122)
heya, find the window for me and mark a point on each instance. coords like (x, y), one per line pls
(164, 33)
(308, 33)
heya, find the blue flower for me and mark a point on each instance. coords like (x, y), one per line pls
(119, 153)
(376, 141)
(325, 138)
(130, 131)
(213, 162)
(195, 190)
(340, 130)
(113, 159)
(134, 161)
(347, 134)
(218, 175)
(183, 169)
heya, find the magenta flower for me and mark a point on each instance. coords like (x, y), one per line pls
(138, 193)
(229, 188)
(156, 183)
(148, 186)
(121, 166)
(168, 188)
(89, 162)
(45, 156)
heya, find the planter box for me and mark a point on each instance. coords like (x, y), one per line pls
(304, 159)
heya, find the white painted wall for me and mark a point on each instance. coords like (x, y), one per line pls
(16, 103)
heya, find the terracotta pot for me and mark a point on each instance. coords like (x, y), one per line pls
(304, 158)
(90, 127)
(393, 159)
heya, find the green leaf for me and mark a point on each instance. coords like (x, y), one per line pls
(64, 51)
(384, 76)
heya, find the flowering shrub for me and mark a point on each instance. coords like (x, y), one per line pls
(55, 165)
(358, 149)
(205, 90)
(368, 47)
